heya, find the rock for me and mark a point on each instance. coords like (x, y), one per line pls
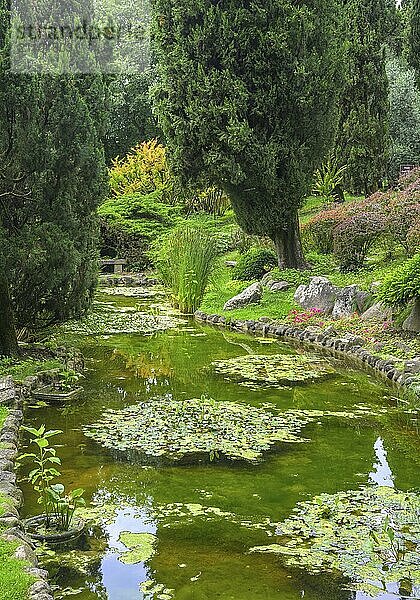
(413, 365)
(330, 331)
(7, 390)
(377, 312)
(231, 263)
(251, 295)
(267, 320)
(320, 293)
(353, 340)
(350, 299)
(24, 552)
(279, 286)
(30, 382)
(412, 322)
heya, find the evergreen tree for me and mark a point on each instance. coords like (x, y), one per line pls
(52, 178)
(246, 98)
(414, 39)
(363, 133)
(404, 116)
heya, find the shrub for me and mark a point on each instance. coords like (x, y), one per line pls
(212, 201)
(402, 285)
(254, 264)
(403, 211)
(413, 238)
(355, 236)
(143, 171)
(185, 261)
(129, 224)
(318, 232)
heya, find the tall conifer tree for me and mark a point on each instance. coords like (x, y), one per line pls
(247, 98)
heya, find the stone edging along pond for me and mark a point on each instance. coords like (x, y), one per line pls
(349, 345)
(11, 397)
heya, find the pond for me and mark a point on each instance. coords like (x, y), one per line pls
(204, 518)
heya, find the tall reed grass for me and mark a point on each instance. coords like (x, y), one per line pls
(186, 261)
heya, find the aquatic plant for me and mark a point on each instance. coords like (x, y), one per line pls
(108, 319)
(191, 430)
(370, 535)
(272, 370)
(140, 547)
(58, 506)
(185, 261)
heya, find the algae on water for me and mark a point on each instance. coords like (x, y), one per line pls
(371, 536)
(195, 429)
(272, 370)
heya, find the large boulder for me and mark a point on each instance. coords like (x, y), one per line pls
(251, 295)
(319, 293)
(378, 312)
(412, 322)
(350, 299)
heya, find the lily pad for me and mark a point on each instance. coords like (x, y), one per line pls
(371, 536)
(107, 319)
(141, 547)
(197, 429)
(272, 370)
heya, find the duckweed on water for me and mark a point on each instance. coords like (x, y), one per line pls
(371, 536)
(140, 545)
(195, 429)
(107, 319)
(272, 371)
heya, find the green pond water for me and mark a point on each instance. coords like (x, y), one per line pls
(201, 554)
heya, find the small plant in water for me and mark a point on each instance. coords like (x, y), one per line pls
(395, 550)
(57, 506)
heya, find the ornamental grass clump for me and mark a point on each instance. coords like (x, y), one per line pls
(185, 262)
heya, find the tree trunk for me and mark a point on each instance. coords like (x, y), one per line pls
(289, 246)
(8, 340)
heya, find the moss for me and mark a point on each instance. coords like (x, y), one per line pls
(3, 415)
(14, 581)
(19, 369)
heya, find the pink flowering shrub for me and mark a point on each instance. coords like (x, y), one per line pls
(355, 236)
(307, 317)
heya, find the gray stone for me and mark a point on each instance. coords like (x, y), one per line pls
(350, 299)
(279, 286)
(330, 331)
(354, 340)
(265, 320)
(320, 293)
(231, 263)
(39, 586)
(251, 295)
(374, 286)
(24, 552)
(413, 365)
(412, 322)
(38, 573)
(7, 390)
(378, 312)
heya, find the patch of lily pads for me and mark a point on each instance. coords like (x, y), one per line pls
(133, 292)
(140, 547)
(371, 536)
(106, 319)
(274, 370)
(197, 429)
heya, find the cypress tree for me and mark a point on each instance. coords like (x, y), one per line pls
(52, 179)
(414, 39)
(246, 98)
(363, 136)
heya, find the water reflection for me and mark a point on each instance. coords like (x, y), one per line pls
(382, 474)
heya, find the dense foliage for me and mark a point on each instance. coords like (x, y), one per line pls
(414, 38)
(254, 114)
(351, 230)
(403, 284)
(254, 264)
(363, 141)
(404, 116)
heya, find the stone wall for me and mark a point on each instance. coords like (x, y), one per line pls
(9, 441)
(328, 339)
